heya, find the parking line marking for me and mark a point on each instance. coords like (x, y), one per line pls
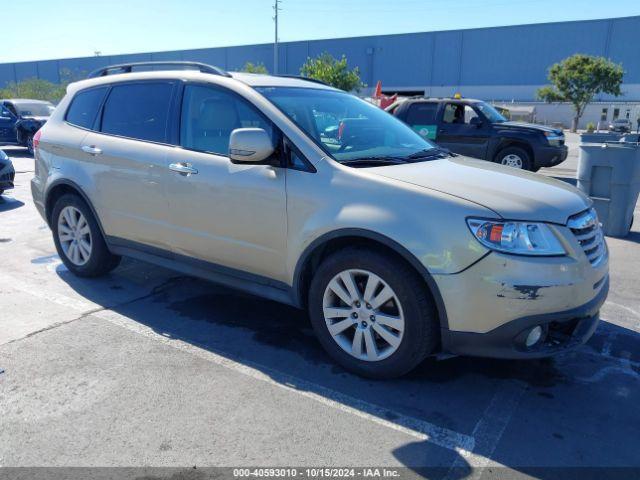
(489, 429)
(57, 298)
(630, 310)
(461, 443)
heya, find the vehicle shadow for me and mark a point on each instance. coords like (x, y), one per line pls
(569, 180)
(631, 237)
(17, 152)
(7, 204)
(452, 394)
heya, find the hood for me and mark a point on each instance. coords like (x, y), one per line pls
(527, 126)
(37, 119)
(4, 162)
(513, 194)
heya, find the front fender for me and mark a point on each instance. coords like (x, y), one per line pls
(429, 225)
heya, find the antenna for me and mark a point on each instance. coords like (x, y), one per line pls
(276, 9)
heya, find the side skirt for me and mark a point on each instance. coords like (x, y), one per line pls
(239, 280)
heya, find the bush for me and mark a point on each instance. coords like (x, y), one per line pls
(591, 127)
(39, 89)
(34, 88)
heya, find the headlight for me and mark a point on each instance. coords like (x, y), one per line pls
(520, 238)
(554, 138)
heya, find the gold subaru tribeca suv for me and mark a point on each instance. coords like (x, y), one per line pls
(304, 194)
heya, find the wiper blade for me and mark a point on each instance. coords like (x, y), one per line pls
(430, 153)
(375, 160)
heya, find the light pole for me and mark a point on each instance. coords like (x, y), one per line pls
(276, 9)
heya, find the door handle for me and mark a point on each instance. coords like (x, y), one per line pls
(91, 150)
(182, 168)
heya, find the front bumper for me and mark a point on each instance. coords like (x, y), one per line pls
(491, 305)
(549, 156)
(562, 331)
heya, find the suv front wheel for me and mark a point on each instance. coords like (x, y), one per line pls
(78, 238)
(372, 313)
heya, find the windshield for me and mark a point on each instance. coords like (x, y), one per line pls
(34, 109)
(346, 127)
(490, 112)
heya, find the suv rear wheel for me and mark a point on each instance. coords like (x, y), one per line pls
(514, 157)
(78, 238)
(372, 314)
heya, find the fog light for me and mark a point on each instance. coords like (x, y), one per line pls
(534, 336)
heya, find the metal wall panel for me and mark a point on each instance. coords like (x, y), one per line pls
(624, 46)
(445, 68)
(49, 70)
(26, 70)
(403, 60)
(522, 55)
(511, 62)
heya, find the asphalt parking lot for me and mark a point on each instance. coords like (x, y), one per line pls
(149, 368)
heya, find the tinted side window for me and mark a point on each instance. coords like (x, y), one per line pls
(209, 115)
(84, 107)
(422, 114)
(11, 108)
(138, 110)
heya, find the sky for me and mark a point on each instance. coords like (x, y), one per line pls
(49, 29)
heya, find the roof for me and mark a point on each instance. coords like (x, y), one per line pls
(250, 79)
(443, 99)
(25, 100)
(261, 80)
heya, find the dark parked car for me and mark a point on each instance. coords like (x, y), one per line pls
(620, 125)
(7, 173)
(20, 119)
(476, 129)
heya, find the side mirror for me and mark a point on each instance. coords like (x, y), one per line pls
(249, 145)
(476, 121)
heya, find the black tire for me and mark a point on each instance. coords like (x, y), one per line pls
(101, 261)
(527, 163)
(421, 335)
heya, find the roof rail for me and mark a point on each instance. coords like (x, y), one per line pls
(128, 68)
(308, 79)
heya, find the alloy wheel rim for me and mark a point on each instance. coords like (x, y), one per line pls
(512, 160)
(74, 235)
(363, 315)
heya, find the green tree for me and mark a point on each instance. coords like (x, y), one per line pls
(332, 71)
(578, 79)
(34, 88)
(39, 89)
(255, 68)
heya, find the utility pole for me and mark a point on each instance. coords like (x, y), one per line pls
(276, 9)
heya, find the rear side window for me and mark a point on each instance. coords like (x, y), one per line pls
(422, 114)
(209, 115)
(138, 110)
(84, 107)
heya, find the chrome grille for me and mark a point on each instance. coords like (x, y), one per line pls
(586, 227)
